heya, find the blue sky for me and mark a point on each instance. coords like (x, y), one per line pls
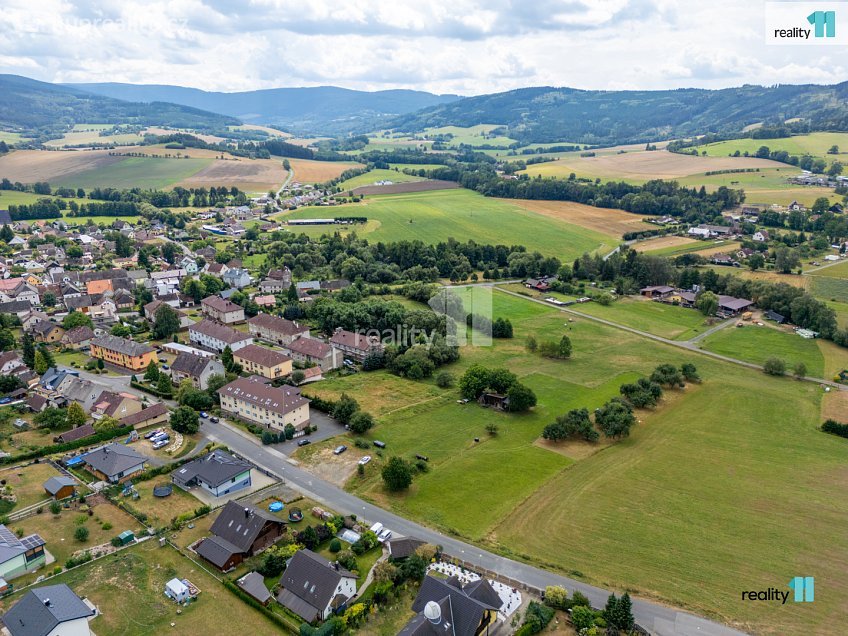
(444, 46)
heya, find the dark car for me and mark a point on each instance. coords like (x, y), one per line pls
(423, 458)
(339, 449)
(303, 442)
(379, 444)
(214, 419)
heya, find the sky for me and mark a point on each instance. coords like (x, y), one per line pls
(465, 47)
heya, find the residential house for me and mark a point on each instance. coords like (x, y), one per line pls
(114, 463)
(218, 473)
(761, 236)
(276, 329)
(9, 362)
(445, 606)
(153, 415)
(123, 299)
(53, 610)
(19, 556)
(20, 308)
(224, 311)
(116, 405)
(78, 337)
(723, 259)
(188, 264)
(313, 351)
(254, 400)
(213, 335)
(75, 434)
(240, 531)
(284, 275)
(46, 331)
(271, 286)
(339, 284)
(355, 346)
(404, 547)
(313, 588)
(198, 369)
(124, 353)
(36, 403)
(711, 231)
(60, 487)
(795, 206)
(657, 291)
(31, 318)
(72, 388)
(266, 301)
(237, 277)
(540, 284)
(153, 306)
(263, 361)
(215, 269)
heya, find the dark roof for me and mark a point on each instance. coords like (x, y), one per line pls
(240, 524)
(404, 547)
(214, 469)
(190, 364)
(354, 340)
(773, 315)
(55, 484)
(466, 611)
(218, 331)
(732, 303)
(43, 609)
(36, 402)
(312, 579)
(217, 550)
(122, 345)
(80, 432)
(151, 412)
(278, 324)
(11, 546)
(262, 355)
(15, 306)
(79, 334)
(256, 390)
(299, 606)
(481, 590)
(254, 584)
(113, 459)
(311, 347)
(44, 327)
(5, 217)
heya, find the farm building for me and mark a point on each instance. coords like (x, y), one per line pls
(495, 400)
(657, 291)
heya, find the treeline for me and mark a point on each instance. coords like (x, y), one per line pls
(41, 209)
(247, 148)
(107, 208)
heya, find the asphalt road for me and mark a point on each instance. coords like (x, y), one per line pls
(658, 619)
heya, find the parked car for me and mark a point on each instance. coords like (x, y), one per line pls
(339, 449)
(364, 460)
(384, 536)
(150, 434)
(423, 458)
(379, 444)
(159, 437)
(377, 528)
(304, 442)
(204, 414)
(160, 444)
(214, 419)
(5, 400)
(164, 367)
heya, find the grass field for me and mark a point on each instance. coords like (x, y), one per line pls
(815, 144)
(27, 483)
(128, 588)
(416, 166)
(672, 246)
(307, 171)
(372, 177)
(767, 186)
(829, 288)
(479, 135)
(76, 138)
(160, 511)
(757, 344)
(10, 137)
(462, 214)
(668, 321)
(678, 511)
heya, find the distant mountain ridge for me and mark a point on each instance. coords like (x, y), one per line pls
(318, 110)
(545, 114)
(30, 104)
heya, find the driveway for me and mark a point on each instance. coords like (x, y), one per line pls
(327, 427)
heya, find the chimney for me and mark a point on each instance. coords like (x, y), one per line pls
(47, 602)
(247, 513)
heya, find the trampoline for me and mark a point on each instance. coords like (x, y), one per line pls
(276, 506)
(163, 491)
(295, 514)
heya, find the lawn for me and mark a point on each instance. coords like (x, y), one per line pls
(768, 185)
(840, 270)
(373, 176)
(27, 482)
(161, 511)
(436, 216)
(128, 588)
(668, 321)
(137, 172)
(757, 344)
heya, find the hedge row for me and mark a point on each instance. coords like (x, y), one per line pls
(151, 390)
(104, 436)
(323, 405)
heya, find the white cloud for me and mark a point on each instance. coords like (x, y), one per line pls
(464, 46)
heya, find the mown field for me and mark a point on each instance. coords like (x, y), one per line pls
(668, 321)
(137, 172)
(462, 214)
(691, 509)
(373, 176)
(767, 186)
(816, 144)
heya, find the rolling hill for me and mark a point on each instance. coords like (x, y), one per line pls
(33, 105)
(546, 114)
(319, 110)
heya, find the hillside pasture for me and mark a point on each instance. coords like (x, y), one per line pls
(462, 214)
(816, 144)
(373, 176)
(82, 137)
(614, 223)
(767, 186)
(29, 166)
(137, 172)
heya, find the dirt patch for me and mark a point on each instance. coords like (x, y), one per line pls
(604, 220)
(835, 406)
(336, 469)
(401, 188)
(663, 242)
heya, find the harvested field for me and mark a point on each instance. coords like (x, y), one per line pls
(664, 242)
(210, 139)
(401, 188)
(607, 221)
(257, 175)
(307, 171)
(835, 406)
(29, 166)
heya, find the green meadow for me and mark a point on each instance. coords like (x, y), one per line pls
(371, 177)
(668, 321)
(436, 216)
(816, 144)
(137, 172)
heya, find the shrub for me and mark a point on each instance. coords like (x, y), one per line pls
(347, 560)
(55, 507)
(81, 534)
(582, 617)
(775, 366)
(445, 380)
(335, 546)
(835, 428)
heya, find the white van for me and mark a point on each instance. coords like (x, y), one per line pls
(377, 528)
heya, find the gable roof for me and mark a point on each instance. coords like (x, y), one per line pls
(357, 341)
(190, 364)
(113, 459)
(466, 611)
(217, 550)
(217, 331)
(150, 413)
(214, 469)
(311, 347)
(254, 584)
(277, 324)
(79, 334)
(261, 355)
(257, 391)
(404, 547)
(42, 610)
(55, 484)
(241, 523)
(80, 432)
(312, 579)
(220, 304)
(122, 345)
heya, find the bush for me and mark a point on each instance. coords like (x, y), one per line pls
(835, 428)
(775, 366)
(81, 534)
(347, 560)
(582, 618)
(335, 546)
(445, 380)
(55, 507)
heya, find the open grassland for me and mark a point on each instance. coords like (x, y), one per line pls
(829, 288)
(416, 166)
(164, 132)
(841, 310)
(13, 197)
(641, 165)
(479, 135)
(29, 166)
(128, 588)
(816, 144)
(462, 214)
(373, 176)
(835, 406)
(767, 186)
(10, 137)
(753, 343)
(668, 321)
(614, 223)
(76, 138)
(27, 483)
(137, 172)
(691, 509)
(273, 132)
(839, 270)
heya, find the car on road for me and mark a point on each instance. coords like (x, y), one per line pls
(304, 442)
(338, 450)
(214, 419)
(364, 460)
(204, 414)
(164, 367)
(377, 528)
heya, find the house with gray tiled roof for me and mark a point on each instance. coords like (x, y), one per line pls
(52, 610)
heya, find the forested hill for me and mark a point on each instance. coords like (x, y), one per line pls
(545, 114)
(30, 104)
(321, 110)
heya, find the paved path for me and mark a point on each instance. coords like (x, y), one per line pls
(658, 619)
